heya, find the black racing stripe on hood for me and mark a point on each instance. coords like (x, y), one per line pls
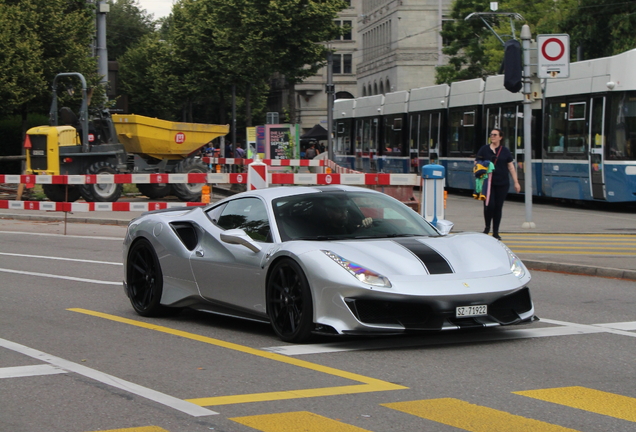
(432, 260)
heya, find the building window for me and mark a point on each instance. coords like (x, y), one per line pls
(342, 64)
(346, 26)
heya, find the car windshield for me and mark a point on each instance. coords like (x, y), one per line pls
(346, 215)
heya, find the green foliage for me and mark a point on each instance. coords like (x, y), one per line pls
(601, 27)
(39, 39)
(212, 45)
(126, 24)
(11, 130)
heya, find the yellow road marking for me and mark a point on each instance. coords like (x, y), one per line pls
(473, 418)
(627, 236)
(369, 384)
(301, 421)
(591, 245)
(596, 401)
(138, 429)
(519, 249)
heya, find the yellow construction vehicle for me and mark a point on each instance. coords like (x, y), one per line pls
(117, 144)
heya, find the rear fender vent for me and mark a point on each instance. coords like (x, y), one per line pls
(187, 233)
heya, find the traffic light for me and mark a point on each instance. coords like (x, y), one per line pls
(512, 66)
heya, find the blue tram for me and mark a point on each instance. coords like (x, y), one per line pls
(583, 130)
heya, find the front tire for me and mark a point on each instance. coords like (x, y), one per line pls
(58, 193)
(101, 192)
(144, 279)
(289, 303)
(154, 190)
(189, 192)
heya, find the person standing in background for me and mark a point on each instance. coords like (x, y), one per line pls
(499, 180)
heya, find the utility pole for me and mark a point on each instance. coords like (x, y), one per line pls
(102, 8)
(330, 90)
(527, 124)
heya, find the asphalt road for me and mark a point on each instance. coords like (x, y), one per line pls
(74, 357)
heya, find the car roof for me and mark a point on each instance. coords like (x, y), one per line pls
(271, 193)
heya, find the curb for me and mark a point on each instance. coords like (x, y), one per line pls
(71, 219)
(580, 269)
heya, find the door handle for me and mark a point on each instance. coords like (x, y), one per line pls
(199, 253)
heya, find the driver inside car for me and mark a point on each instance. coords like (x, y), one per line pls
(339, 220)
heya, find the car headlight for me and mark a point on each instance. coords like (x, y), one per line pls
(364, 275)
(516, 267)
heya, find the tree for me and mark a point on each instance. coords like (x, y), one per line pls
(218, 44)
(148, 77)
(38, 40)
(126, 24)
(601, 27)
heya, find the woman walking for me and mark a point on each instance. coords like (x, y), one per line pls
(499, 180)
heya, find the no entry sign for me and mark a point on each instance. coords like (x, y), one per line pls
(553, 56)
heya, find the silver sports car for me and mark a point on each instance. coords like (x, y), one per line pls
(333, 260)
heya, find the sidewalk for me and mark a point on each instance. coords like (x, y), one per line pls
(611, 231)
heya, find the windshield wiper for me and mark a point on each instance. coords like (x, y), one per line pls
(381, 236)
(317, 238)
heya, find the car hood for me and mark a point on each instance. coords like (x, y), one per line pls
(460, 255)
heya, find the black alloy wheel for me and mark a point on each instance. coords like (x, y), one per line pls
(289, 302)
(144, 279)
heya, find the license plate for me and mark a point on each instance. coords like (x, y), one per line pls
(38, 153)
(468, 311)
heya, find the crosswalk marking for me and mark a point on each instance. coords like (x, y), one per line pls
(572, 244)
(25, 371)
(596, 401)
(300, 421)
(473, 418)
(138, 429)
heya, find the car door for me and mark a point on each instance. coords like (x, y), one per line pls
(232, 274)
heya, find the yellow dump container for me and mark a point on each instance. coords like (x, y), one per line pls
(162, 139)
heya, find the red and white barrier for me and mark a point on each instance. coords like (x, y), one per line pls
(219, 178)
(270, 162)
(93, 206)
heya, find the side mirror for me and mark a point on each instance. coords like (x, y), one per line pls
(444, 226)
(240, 237)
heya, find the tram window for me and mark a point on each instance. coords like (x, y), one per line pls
(413, 132)
(424, 134)
(455, 126)
(434, 137)
(555, 122)
(469, 119)
(393, 134)
(508, 124)
(577, 134)
(577, 111)
(622, 132)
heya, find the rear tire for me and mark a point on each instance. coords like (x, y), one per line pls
(144, 279)
(57, 193)
(101, 192)
(189, 192)
(154, 190)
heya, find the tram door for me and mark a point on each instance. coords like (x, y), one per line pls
(597, 144)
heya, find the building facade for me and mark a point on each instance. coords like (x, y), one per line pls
(393, 45)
